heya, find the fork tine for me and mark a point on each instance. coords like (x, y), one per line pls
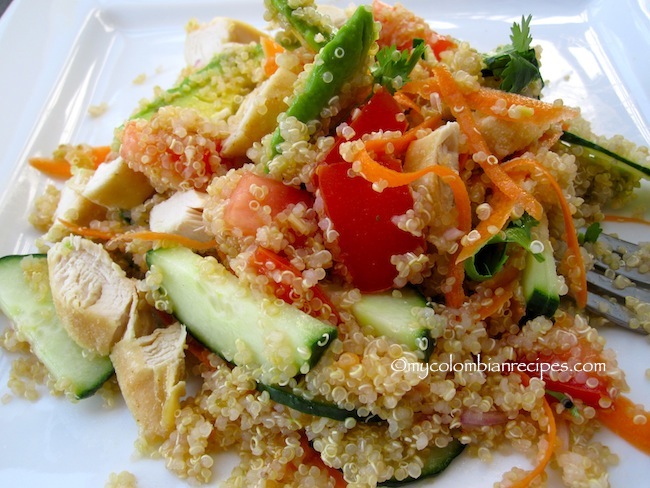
(605, 284)
(614, 312)
(605, 298)
(621, 247)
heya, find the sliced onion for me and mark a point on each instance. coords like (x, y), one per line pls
(473, 417)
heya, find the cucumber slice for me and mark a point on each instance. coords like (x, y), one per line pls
(436, 460)
(33, 314)
(540, 284)
(227, 317)
(603, 156)
(319, 408)
(394, 316)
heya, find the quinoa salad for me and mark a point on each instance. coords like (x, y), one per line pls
(349, 249)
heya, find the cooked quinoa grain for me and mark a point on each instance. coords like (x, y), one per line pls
(373, 399)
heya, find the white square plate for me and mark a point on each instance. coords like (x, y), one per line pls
(62, 56)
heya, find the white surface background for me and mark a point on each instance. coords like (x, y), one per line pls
(59, 57)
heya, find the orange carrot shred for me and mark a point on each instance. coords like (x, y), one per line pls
(87, 231)
(142, 235)
(623, 219)
(507, 281)
(455, 99)
(375, 173)
(487, 100)
(405, 101)
(455, 297)
(59, 167)
(271, 49)
(502, 207)
(550, 447)
(579, 285)
(55, 167)
(100, 153)
(400, 144)
(619, 418)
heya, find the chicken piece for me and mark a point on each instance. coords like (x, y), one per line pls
(73, 207)
(150, 371)
(181, 214)
(205, 40)
(92, 295)
(257, 116)
(115, 185)
(506, 137)
(438, 148)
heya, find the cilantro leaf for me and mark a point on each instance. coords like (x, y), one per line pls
(491, 258)
(514, 65)
(393, 67)
(517, 74)
(591, 234)
(520, 36)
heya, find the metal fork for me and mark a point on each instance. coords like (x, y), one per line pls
(608, 300)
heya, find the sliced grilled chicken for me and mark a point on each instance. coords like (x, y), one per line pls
(73, 207)
(438, 148)
(150, 371)
(181, 214)
(92, 295)
(205, 40)
(116, 185)
(257, 116)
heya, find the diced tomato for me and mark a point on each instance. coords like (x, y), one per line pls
(381, 112)
(578, 391)
(399, 26)
(150, 152)
(281, 274)
(576, 385)
(277, 197)
(363, 219)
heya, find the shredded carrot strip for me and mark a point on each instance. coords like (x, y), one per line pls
(405, 101)
(60, 167)
(549, 138)
(531, 166)
(100, 153)
(375, 173)
(548, 453)
(271, 49)
(400, 144)
(455, 297)
(622, 219)
(87, 231)
(619, 418)
(57, 168)
(502, 207)
(496, 102)
(423, 88)
(142, 235)
(550, 448)
(507, 281)
(455, 99)
(147, 235)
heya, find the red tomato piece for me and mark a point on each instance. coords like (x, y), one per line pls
(399, 26)
(381, 112)
(576, 385)
(240, 214)
(363, 219)
(578, 391)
